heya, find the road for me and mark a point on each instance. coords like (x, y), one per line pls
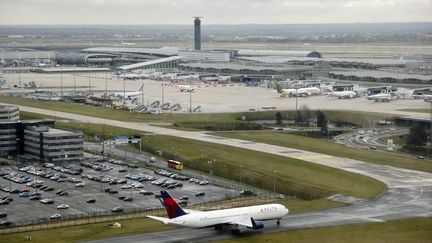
(409, 192)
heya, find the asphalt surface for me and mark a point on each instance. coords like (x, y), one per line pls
(409, 192)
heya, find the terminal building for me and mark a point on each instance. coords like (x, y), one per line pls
(37, 140)
(9, 113)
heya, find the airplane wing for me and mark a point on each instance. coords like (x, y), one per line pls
(162, 219)
(242, 221)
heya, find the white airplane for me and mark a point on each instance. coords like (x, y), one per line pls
(127, 43)
(384, 97)
(297, 92)
(249, 217)
(187, 88)
(344, 94)
(129, 95)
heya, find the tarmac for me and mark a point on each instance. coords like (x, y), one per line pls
(212, 98)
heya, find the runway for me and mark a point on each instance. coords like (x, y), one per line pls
(409, 192)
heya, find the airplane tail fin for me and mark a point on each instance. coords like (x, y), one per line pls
(278, 86)
(173, 209)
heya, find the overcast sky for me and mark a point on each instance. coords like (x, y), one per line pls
(142, 12)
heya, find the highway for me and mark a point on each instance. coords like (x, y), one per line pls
(409, 192)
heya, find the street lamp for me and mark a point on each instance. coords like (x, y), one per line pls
(241, 167)
(274, 181)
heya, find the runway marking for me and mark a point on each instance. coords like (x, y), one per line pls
(314, 156)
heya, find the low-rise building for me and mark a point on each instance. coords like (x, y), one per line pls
(9, 112)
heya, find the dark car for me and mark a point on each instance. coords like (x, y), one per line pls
(91, 200)
(128, 199)
(117, 210)
(4, 202)
(15, 191)
(184, 198)
(200, 194)
(247, 193)
(113, 192)
(64, 193)
(3, 215)
(49, 189)
(6, 223)
(108, 189)
(121, 197)
(58, 193)
(34, 198)
(35, 194)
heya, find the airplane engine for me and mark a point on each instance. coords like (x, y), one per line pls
(309, 93)
(258, 225)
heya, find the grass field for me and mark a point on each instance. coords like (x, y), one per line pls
(330, 148)
(416, 110)
(256, 168)
(87, 232)
(203, 121)
(417, 230)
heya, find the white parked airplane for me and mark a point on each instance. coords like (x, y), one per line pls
(384, 97)
(297, 92)
(129, 95)
(187, 88)
(249, 217)
(344, 94)
(127, 43)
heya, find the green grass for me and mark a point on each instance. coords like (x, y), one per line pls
(398, 140)
(416, 110)
(203, 121)
(327, 147)
(35, 116)
(293, 176)
(87, 232)
(417, 230)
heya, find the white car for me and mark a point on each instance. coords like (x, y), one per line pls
(203, 183)
(138, 185)
(55, 216)
(81, 184)
(62, 206)
(126, 187)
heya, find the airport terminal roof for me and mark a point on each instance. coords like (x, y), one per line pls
(243, 66)
(164, 51)
(148, 63)
(28, 54)
(382, 74)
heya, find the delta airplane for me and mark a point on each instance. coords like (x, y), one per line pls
(249, 217)
(187, 88)
(297, 92)
(129, 95)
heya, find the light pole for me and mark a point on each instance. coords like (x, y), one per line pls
(89, 83)
(61, 83)
(296, 115)
(190, 95)
(274, 181)
(241, 167)
(163, 86)
(106, 84)
(124, 89)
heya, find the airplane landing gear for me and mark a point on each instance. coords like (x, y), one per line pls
(235, 231)
(278, 221)
(218, 227)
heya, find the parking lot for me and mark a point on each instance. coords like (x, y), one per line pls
(95, 181)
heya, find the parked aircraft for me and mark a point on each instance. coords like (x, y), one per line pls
(384, 97)
(127, 43)
(296, 92)
(249, 217)
(187, 88)
(128, 95)
(343, 94)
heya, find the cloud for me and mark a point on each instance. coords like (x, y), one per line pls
(215, 12)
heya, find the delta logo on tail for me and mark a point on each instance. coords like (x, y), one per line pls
(173, 209)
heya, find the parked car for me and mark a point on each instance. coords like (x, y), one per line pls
(24, 194)
(35, 198)
(81, 184)
(184, 198)
(3, 215)
(91, 200)
(117, 210)
(128, 199)
(55, 216)
(247, 193)
(62, 206)
(6, 223)
(200, 194)
(47, 201)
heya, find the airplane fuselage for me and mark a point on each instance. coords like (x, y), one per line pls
(227, 216)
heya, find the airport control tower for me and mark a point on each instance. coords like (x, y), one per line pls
(197, 33)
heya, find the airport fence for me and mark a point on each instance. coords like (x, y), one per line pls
(34, 224)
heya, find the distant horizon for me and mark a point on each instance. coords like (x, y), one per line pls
(240, 24)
